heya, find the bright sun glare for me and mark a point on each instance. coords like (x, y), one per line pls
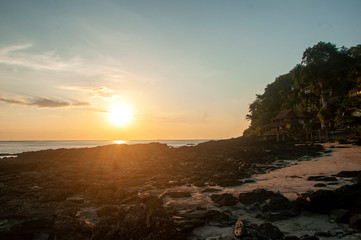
(120, 114)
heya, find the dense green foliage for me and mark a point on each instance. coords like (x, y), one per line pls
(318, 87)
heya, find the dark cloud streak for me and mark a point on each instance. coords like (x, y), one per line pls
(44, 103)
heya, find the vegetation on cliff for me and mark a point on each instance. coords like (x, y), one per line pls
(325, 88)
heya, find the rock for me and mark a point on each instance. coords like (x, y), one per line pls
(177, 194)
(323, 201)
(355, 222)
(207, 190)
(320, 185)
(333, 183)
(321, 178)
(240, 230)
(257, 195)
(75, 199)
(217, 218)
(107, 211)
(199, 183)
(276, 203)
(348, 174)
(229, 183)
(356, 180)
(225, 199)
(270, 231)
(340, 215)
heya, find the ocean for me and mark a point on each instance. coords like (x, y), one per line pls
(14, 147)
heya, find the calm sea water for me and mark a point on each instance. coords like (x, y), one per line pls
(13, 147)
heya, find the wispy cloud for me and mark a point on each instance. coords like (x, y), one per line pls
(103, 92)
(13, 55)
(103, 67)
(44, 103)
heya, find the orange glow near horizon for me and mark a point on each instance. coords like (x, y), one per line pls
(119, 141)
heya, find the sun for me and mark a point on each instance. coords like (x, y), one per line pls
(120, 114)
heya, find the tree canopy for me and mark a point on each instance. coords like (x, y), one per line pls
(318, 86)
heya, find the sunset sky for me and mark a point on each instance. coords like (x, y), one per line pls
(181, 69)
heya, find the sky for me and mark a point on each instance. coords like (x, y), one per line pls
(185, 69)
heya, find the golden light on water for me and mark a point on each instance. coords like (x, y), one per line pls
(119, 141)
(120, 114)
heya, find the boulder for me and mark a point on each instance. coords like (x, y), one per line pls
(225, 199)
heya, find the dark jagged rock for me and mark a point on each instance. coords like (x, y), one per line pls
(257, 195)
(225, 199)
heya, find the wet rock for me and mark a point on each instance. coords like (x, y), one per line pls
(257, 195)
(225, 199)
(270, 231)
(321, 178)
(320, 185)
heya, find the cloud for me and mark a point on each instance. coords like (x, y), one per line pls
(44, 103)
(105, 93)
(108, 69)
(13, 55)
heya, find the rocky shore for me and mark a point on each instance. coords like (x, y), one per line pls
(153, 191)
